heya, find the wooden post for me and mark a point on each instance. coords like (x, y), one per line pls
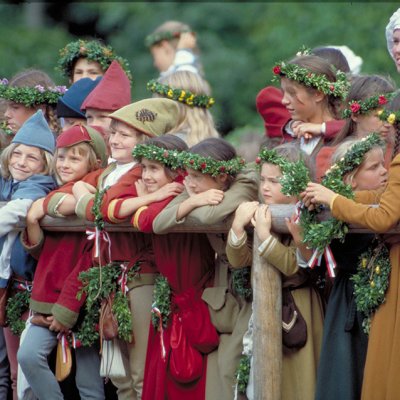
(267, 339)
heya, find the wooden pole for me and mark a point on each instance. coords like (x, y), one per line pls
(267, 337)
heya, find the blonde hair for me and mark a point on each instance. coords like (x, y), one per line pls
(196, 122)
(6, 156)
(82, 149)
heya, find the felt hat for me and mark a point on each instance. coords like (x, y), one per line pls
(153, 117)
(112, 93)
(394, 23)
(69, 106)
(36, 132)
(269, 106)
(84, 134)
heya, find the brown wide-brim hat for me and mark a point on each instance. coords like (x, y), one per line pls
(153, 117)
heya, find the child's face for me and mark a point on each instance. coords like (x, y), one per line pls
(123, 139)
(25, 161)
(163, 55)
(270, 187)
(367, 123)
(16, 114)
(300, 102)
(85, 68)
(199, 183)
(70, 165)
(153, 175)
(372, 173)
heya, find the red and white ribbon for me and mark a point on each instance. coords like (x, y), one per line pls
(156, 311)
(97, 235)
(297, 211)
(122, 280)
(329, 259)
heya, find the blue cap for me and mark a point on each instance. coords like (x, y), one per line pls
(36, 132)
(69, 106)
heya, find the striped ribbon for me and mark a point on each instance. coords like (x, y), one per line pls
(156, 311)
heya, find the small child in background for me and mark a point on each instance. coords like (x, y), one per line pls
(173, 46)
(193, 97)
(88, 59)
(25, 177)
(300, 361)
(69, 106)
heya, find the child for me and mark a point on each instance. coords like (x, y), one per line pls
(27, 92)
(212, 194)
(130, 125)
(69, 105)
(393, 37)
(80, 150)
(88, 59)
(192, 94)
(301, 359)
(344, 344)
(25, 177)
(382, 364)
(174, 48)
(112, 93)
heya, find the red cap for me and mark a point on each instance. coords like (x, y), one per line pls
(269, 106)
(113, 91)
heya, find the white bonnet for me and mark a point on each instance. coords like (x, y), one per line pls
(355, 62)
(394, 23)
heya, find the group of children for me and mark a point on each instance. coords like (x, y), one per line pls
(164, 309)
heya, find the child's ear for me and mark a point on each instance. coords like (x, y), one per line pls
(319, 96)
(348, 180)
(99, 163)
(222, 180)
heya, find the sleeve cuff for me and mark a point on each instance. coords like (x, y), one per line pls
(234, 240)
(65, 316)
(265, 244)
(81, 205)
(333, 200)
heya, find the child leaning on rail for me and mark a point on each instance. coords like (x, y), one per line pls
(302, 341)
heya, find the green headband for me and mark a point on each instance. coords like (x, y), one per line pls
(169, 158)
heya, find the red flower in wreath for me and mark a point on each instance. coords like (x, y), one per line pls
(332, 88)
(382, 100)
(203, 165)
(276, 70)
(222, 169)
(165, 154)
(258, 160)
(191, 162)
(355, 108)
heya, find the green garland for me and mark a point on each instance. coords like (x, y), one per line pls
(157, 37)
(96, 208)
(241, 282)
(181, 95)
(318, 81)
(98, 288)
(393, 117)
(170, 158)
(371, 282)
(162, 301)
(243, 374)
(30, 96)
(295, 175)
(16, 306)
(210, 166)
(359, 107)
(4, 127)
(93, 51)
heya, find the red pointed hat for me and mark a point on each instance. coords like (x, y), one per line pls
(113, 91)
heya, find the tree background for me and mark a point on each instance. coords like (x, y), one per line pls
(239, 41)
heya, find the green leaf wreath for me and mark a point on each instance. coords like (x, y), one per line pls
(243, 374)
(371, 281)
(162, 301)
(241, 282)
(16, 306)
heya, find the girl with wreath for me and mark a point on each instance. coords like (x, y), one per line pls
(382, 362)
(301, 351)
(344, 345)
(25, 177)
(80, 150)
(217, 183)
(193, 97)
(27, 92)
(88, 59)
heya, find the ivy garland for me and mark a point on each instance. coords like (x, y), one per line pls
(161, 300)
(16, 306)
(318, 81)
(371, 282)
(181, 95)
(93, 51)
(170, 158)
(243, 374)
(97, 290)
(358, 107)
(241, 282)
(96, 208)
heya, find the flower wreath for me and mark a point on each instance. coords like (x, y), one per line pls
(170, 158)
(393, 117)
(371, 281)
(93, 51)
(295, 175)
(207, 165)
(16, 306)
(311, 79)
(157, 37)
(358, 107)
(5, 128)
(183, 96)
(29, 96)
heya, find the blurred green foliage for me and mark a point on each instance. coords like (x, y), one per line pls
(239, 41)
